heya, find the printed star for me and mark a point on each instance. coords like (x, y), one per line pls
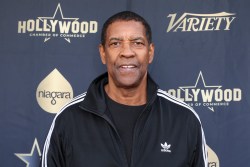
(33, 158)
(200, 77)
(58, 8)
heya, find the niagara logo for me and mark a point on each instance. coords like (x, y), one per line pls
(57, 26)
(54, 95)
(53, 92)
(207, 96)
(200, 22)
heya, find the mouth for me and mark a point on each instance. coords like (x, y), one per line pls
(128, 66)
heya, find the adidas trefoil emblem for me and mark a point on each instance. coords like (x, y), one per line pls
(166, 147)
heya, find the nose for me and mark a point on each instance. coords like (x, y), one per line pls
(127, 50)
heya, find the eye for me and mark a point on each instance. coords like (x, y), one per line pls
(115, 44)
(138, 44)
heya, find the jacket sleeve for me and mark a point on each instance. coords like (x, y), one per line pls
(199, 158)
(53, 151)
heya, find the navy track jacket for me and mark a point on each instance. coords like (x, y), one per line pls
(168, 133)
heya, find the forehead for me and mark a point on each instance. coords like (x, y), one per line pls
(126, 29)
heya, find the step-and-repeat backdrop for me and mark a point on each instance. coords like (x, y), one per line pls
(49, 54)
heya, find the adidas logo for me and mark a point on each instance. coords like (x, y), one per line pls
(165, 147)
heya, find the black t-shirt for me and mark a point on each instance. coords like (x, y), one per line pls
(124, 117)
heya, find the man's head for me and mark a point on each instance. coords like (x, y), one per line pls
(126, 50)
(126, 16)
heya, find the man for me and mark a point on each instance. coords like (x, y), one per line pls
(124, 120)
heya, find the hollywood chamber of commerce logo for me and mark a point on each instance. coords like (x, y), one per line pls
(53, 92)
(191, 22)
(203, 95)
(31, 159)
(57, 26)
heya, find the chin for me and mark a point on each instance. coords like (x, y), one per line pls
(128, 83)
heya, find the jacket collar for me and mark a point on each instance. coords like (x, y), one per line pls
(94, 100)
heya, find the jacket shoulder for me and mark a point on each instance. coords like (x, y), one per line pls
(69, 108)
(179, 106)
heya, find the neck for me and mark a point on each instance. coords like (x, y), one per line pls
(128, 96)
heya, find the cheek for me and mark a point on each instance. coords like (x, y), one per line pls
(111, 57)
(110, 63)
(144, 59)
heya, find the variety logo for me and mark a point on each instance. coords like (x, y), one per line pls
(200, 22)
(166, 147)
(207, 96)
(33, 158)
(57, 26)
(54, 92)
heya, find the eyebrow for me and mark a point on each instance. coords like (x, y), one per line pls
(115, 39)
(137, 38)
(121, 39)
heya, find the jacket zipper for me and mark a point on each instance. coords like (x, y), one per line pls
(136, 129)
(113, 126)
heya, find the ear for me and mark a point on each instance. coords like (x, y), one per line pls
(102, 53)
(151, 53)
